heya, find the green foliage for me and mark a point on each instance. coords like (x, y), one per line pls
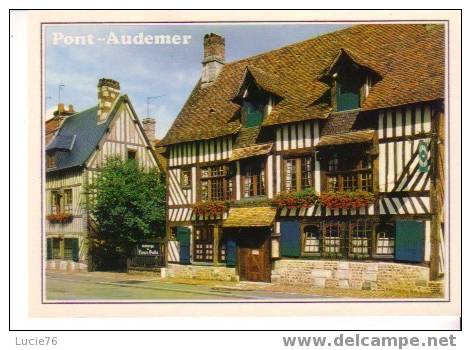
(128, 205)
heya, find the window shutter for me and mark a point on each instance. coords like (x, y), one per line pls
(290, 239)
(183, 236)
(75, 250)
(410, 240)
(49, 248)
(348, 97)
(231, 252)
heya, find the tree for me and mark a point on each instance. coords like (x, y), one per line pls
(128, 205)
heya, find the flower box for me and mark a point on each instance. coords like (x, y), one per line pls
(59, 218)
(295, 200)
(210, 207)
(346, 199)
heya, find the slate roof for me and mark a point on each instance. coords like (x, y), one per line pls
(409, 58)
(88, 134)
(250, 217)
(62, 142)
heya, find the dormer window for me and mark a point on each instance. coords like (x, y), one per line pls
(350, 78)
(257, 95)
(348, 85)
(254, 107)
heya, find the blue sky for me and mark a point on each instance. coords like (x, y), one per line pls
(152, 70)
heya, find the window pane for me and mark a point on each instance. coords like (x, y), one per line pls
(214, 183)
(67, 198)
(290, 172)
(311, 239)
(350, 182)
(203, 250)
(306, 172)
(332, 183)
(366, 181)
(385, 240)
(332, 237)
(254, 179)
(360, 238)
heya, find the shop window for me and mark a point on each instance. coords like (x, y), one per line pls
(203, 244)
(298, 173)
(312, 239)
(360, 238)
(385, 240)
(253, 178)
(215, 183)
(333, 238)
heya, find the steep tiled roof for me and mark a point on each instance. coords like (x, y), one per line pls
(247, 137)
(251, 151)
(409, 58)
(359, 136)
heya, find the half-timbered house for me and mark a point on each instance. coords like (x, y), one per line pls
(318, 163)
(77, 144)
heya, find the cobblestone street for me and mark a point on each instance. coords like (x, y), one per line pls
(124, 286)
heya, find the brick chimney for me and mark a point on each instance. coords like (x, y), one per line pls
(108, 92)
(214, 57)
(149, 128)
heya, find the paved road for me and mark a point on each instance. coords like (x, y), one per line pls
(98, 286)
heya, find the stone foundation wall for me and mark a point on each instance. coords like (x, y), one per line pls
(354, 275)
(218, 273)
(66, 265)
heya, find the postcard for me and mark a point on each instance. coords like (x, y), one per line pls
(221, 164)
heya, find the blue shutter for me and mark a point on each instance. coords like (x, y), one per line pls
(231, 252)
(410, 240)
(183, 236)
(290, 240)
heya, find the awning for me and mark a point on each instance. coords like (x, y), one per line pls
(359, 136)
(251, 151)
(250, 217)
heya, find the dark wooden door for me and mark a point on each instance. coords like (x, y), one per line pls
(254, 255)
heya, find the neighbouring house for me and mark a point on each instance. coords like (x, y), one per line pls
(77, 144)
(319, 163)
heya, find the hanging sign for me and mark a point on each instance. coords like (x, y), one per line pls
(148, 249)
(423, 156)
